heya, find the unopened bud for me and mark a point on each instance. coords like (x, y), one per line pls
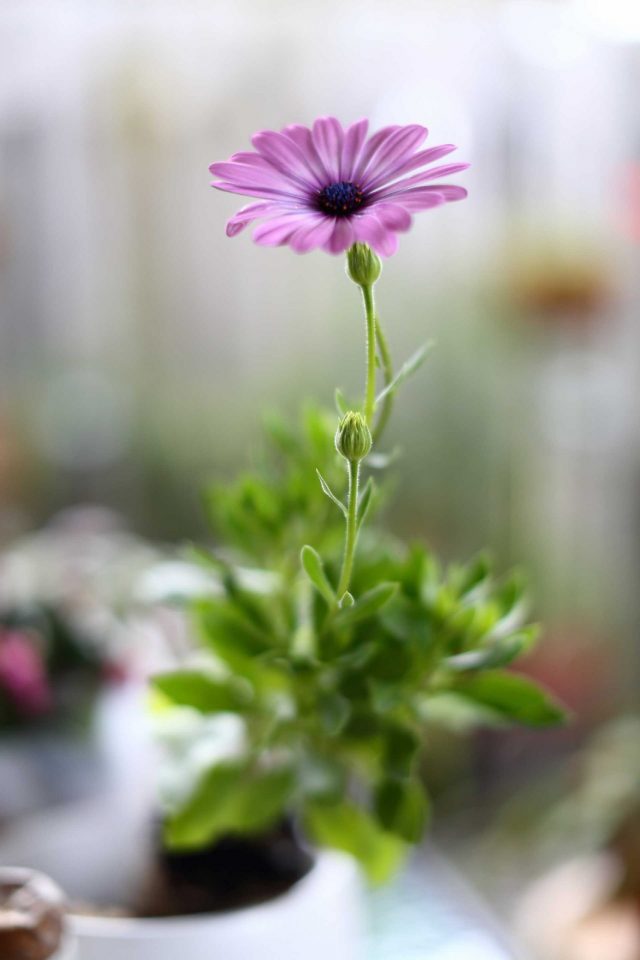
(353, 437)
(363, 265)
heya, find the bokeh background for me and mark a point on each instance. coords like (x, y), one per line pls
(139, 347)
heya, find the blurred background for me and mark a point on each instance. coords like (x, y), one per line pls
(139, 347)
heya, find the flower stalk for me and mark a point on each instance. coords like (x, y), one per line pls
(370, 385)
(387, 372)
(353, 442)
(351, 530)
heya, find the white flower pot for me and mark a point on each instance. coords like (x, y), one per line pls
(68, 951)
(320, 918)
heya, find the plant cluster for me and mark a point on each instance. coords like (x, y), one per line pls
(49, 673)
(332, 642)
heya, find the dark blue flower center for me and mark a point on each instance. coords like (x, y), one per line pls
(340, 199)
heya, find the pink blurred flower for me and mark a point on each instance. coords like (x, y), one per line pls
(23, 674)
(330, 186)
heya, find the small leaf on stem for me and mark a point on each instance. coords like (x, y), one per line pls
(314, 569)
(407, 369)
(365, 501)
(326, 489)
(368, 604)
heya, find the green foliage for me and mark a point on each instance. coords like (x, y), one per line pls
(268, 513)
(232, 797)
(198, 690)
(314, 569)
(348, 827)
(334, 691)
(511, 696)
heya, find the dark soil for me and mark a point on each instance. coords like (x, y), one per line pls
(232, 873)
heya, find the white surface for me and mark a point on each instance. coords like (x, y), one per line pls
(68, 951)
(320, 918)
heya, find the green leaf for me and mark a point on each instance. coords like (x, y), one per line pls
(232, 797)
(451, 711)
(231, 646)
(512, 696)
(408, 368)
(314, 569)
(223, 619)
(326, 489)
(497, 654)
(513, 591)
(347, 827)
(334, 710)
(392, 662)
(196, 689)
(385, 697)
(475, 574)
(366, 605)
(321, 778)
(303, 644)
(400, 750)
(401, 808)
(365, 502)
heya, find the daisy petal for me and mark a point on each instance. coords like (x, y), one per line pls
(421, 198)
(266, 176)
(388, 245)
(425, 175)
(394, 150)
(370, 148)
(313, 234)
(393, 217)
(342, 236)
(327, 138)
(420, 159)
(449, 191)
(303, 139)
(278, 231)
(354, 138)
(285, 156)
(250, 190)
(251, 212)
(369, 229)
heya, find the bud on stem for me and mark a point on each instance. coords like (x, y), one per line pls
(353, 437)
(363, 265)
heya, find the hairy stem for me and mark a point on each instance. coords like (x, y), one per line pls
(351, 534)
(370, 385)
(387, 370)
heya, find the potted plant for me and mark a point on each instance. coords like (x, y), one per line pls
(63, 591)
(325, 645)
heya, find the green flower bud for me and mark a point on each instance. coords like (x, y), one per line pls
(363, 265)
(353, 437)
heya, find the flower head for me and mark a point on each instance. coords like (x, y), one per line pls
(23, 673)
(331, 187)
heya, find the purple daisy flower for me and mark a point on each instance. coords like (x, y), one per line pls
(331, 187)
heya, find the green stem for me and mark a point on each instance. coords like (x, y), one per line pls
(351, 535)
(387, 370)
(370, 387)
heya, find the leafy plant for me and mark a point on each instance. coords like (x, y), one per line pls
(338, 643)
(334, 691)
